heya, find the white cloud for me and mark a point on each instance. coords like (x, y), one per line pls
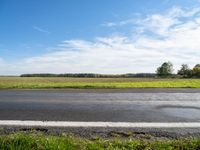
(172, 38)
(163, 24)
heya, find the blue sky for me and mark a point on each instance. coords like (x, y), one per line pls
(98, 36)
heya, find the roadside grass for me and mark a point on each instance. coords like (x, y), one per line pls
(45, 83)
(22, 141)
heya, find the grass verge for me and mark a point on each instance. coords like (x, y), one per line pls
(22, 141)
(45, 83)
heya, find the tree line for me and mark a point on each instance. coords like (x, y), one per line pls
(92, 75)
(164, 71)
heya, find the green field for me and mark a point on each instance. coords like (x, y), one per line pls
(22, 141)
(43, 83)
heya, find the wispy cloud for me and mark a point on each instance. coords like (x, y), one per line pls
(41, 30)
(120, 23)
(109, 24)
(172, 16)
(165, 1)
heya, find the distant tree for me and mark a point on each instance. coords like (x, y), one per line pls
(165, 70)
(196, 70)
(185, 71)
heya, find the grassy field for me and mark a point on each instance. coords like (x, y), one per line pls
(42, 83)
(21, 141)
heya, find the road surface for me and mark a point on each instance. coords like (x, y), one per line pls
(128, 105)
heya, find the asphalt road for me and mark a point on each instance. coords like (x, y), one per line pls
(114, 105)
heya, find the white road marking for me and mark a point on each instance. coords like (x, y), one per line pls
(99, 124)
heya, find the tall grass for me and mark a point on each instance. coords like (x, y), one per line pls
(22, 141)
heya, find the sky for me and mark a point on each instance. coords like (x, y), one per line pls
(97, 36)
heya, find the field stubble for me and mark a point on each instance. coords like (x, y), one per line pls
(52, 82)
